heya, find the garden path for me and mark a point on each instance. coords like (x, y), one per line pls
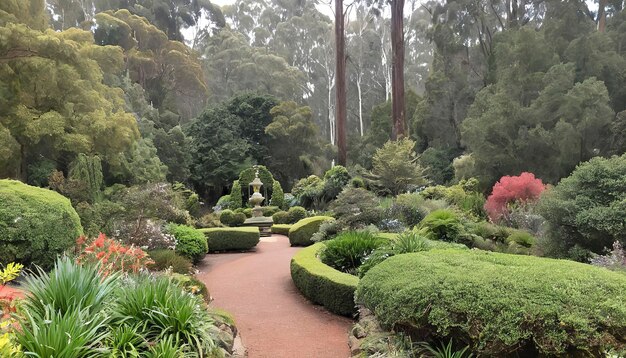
(274, 320)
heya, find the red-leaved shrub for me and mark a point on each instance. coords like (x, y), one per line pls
(510, 190)
(112, 255)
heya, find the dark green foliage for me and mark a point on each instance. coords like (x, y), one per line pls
(357, 182)
(521, 238)
(36, 224)
(409, 209)
(348, 250)
(444, 225)
(235, 197)
(237, 239)
(281, 229)
(308, 191)
(39, 172)
(281, 217)
(295, 214)
(301, 232)
(88, 170)
(439, 164)
(357, 208)
(587, 209)
(396, 167)
(247, 176)
(452, 294)
(321, 283)
(278, 196)
(218, 152)
(254, 111)
(190, 242)
(166, 258)
(335, 179)
(231, 218)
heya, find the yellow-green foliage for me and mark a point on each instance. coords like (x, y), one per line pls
(229, 238)
(10, 272)
(321, 283)
(36, 224)
(500, 304)
(301, 232)
(282, 229)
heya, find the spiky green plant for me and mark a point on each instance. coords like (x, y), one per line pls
(162, 310)
(75, 333)
(443, 351)
(69, 287)
(126, 342)
(348, 250)
(167, 348)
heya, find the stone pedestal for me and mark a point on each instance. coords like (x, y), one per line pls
(263, 223)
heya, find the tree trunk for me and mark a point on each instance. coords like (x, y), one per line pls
(340, 83)
(602, 15)
(397, 70)
(359, 78)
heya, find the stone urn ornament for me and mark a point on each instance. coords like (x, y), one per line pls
(256, 199)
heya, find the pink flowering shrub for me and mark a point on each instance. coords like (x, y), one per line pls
(512, 190)
(112, 255)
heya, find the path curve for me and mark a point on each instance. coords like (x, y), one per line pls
(273, 318)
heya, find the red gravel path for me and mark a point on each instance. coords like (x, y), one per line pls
(274, 320)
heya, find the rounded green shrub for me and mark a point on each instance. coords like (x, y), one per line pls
(36, 224)
(270, 210)
(521, 238)
(587, 210)
(190, 242)
(357, 182)
(500, 304)
(335, 179)
(409, 209)
(301, 232)
(224, 202)
(231, 218)
(227, 238)
(168, 259)
(281, 217)
(357, 208)
(323, 284)
(281, 229)
(349, 249)
(296, 213)
(444, 225)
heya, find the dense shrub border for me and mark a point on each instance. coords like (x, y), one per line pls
(500, 303)
(323, 284)
(301, 232)
(232, 238)
(36, 224)
(281, 229)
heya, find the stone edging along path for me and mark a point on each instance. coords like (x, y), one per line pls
(274, 320)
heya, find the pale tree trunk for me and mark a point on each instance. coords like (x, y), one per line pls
(331, 110)
(340, 83)
(385, 65)
(602, 15)
(399, 129)
(359, 78)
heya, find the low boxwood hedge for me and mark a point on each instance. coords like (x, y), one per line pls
(500, 304)
(323, 284)
(301, 232)
(281, 229)
(232, 238)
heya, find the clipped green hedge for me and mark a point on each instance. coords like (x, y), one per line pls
(323, 284)
(232, 238)
(500, 304)
(281, 229)
(36, 224)
(301, 232)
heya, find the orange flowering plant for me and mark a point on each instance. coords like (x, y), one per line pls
(111, 255)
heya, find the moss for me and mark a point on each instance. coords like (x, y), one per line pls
(36, 224)
(500, 303)
(281, 229)
(321, 283)
(228, 238)
(301, 232)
